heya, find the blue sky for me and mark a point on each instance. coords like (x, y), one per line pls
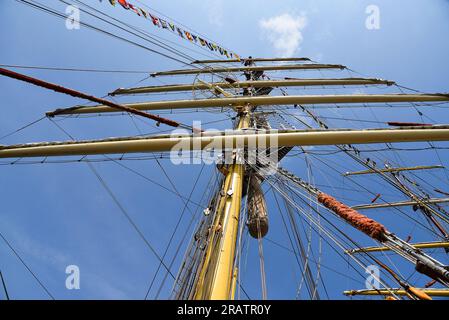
(58, 214)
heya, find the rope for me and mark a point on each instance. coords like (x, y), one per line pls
(78, 94)
(27, 267)
(46, 9)
(72, 69)
(122, 209)
(22, 128)
(4, 286)
(262, 266)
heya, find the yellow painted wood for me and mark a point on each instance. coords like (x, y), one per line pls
(220, 141)
(249, 68)
(254, 84)
(393, 170)
(398, 204)
(234, 283)
(419, 245)
(215, 281)
(264, 100)
(399, 292)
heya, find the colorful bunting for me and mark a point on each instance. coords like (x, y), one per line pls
(161, 23)
(155, 20)
(188, 35)
(144, 13)
(134, 9)
(180, 32)
(124, 4)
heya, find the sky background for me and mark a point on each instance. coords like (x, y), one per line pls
(56, 215)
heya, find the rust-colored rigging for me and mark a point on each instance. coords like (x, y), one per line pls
(78, 94)
(367, 225)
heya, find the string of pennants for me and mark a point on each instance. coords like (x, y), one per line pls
(164, 24)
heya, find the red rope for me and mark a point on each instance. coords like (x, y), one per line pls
(376, 197)
(74, 93)
(372, 228)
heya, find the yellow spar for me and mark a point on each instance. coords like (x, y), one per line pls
(217, 278)
(219, 141)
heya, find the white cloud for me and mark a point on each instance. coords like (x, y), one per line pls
(284, 32)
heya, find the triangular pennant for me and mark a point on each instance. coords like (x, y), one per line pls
(163, 23)
(134, 9)
(171, 26)
(209, 45)
(144, 13)
(188, 35)
(180, 32)
(124, 4)
(155, 20)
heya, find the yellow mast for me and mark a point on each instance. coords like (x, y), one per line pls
(217, 279)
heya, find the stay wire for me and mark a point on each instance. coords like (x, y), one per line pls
(57, 14)
(174, 50)
(16, 66)
(22, 128)
(121, 208)
(338, 232)
(128, 217)
(175, 229)
(344, 236)
(27, 267)
(150, 35)
(178, 248)
(150, 40)
(183, 25)
(4, 286)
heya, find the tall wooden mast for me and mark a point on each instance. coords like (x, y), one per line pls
(217, 272)
(216, 277)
